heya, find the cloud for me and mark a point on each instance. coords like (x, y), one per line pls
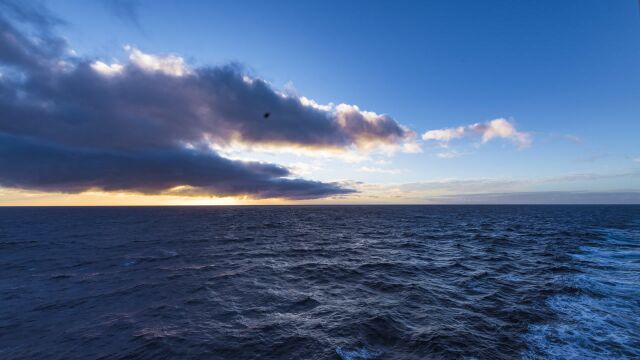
(444, 135)
(35, 165)
(552, 190)
(151, 123)
(460, 186)
(127, 11)
(106, 69)
(543, 197)
(592, 157)
(33, 49)
(495, 185)
(303, 168)
(573, 138)
(449, 154)
(501, 128)
(379, 170)
(172, 65)
(494, 129)
(155, 100)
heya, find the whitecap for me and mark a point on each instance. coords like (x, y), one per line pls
(601, 322)
(357, 354)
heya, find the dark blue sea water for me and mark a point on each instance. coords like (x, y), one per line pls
(351, 282)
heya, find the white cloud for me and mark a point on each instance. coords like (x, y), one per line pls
(495, 129)
(303, 168)
(448, 154)
(411, 147)
(379, 170)
(444, 135)
(170, 64)
(106, 69)
(501, 128)
(312, 103)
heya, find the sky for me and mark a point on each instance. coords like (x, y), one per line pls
(347, 102)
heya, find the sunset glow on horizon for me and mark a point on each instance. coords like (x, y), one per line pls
(113, 103)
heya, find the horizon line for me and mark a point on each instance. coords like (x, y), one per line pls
(318, 205)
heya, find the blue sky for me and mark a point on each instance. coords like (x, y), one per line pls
(565, 73)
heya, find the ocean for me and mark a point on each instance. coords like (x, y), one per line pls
(320, 282)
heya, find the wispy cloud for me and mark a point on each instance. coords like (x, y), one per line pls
(379, 170)
(449, 154)
(127, 11)
(593, 157)
(498, 190)
(573, 138)
(489, 185)
(543, 197)
(495, 129)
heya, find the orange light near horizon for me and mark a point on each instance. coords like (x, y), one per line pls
(15, 197)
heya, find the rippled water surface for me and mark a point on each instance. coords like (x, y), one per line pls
(370, 282)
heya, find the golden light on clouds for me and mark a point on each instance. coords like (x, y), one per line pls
(18, 197)
(12, 197)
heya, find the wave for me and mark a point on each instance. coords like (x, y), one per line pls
(601, 321)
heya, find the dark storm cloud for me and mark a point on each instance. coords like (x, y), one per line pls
(17, 48)
(30, 164)
(71, 124)
(138, 108)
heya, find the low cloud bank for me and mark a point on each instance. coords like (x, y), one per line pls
(542, 198)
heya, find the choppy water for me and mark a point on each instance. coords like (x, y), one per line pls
(373, 282)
